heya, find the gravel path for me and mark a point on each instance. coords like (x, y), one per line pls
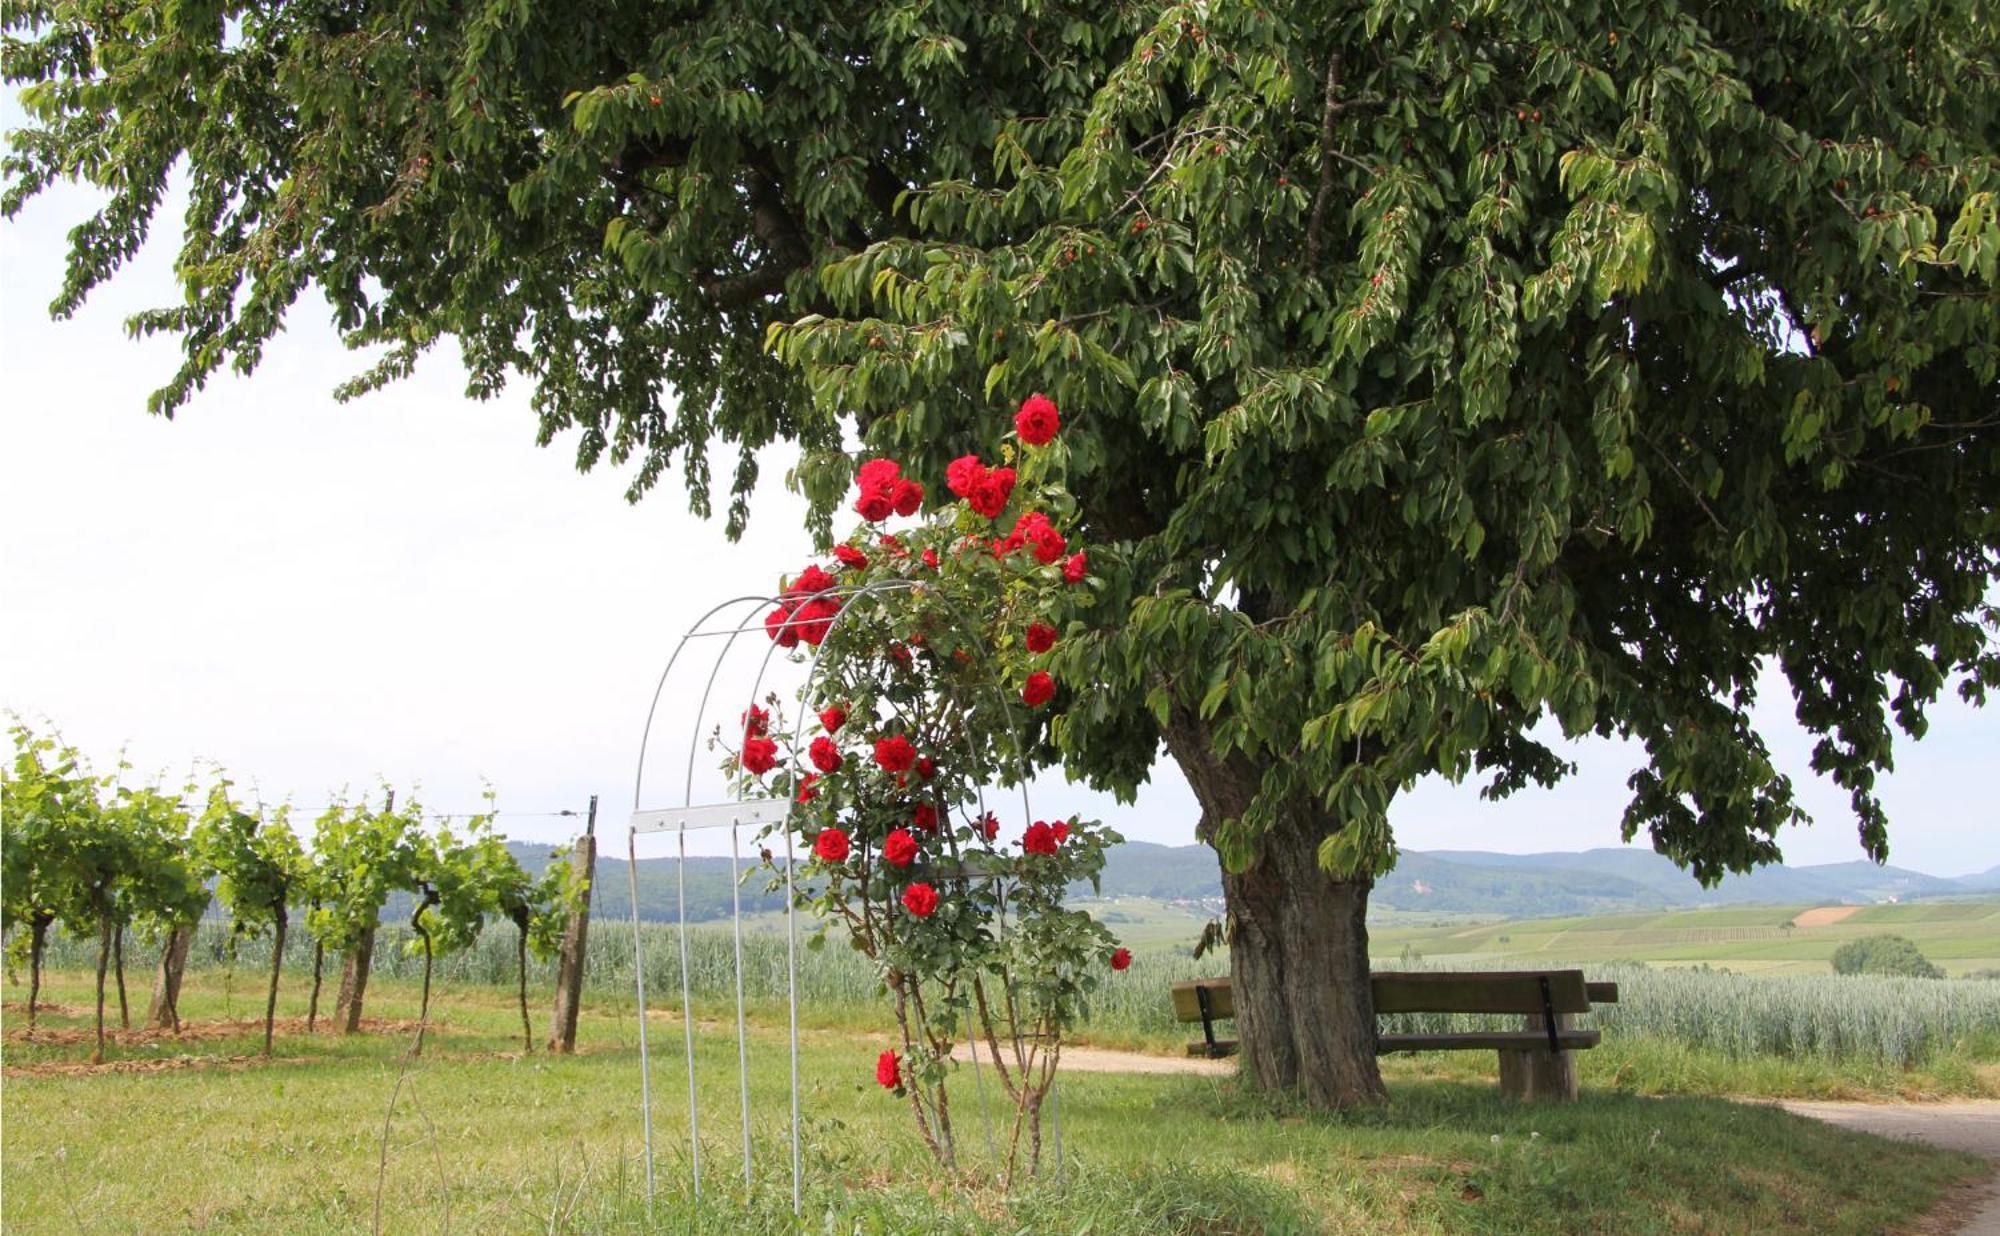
(1971, 1125)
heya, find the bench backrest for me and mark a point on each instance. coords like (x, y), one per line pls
(1488, 991)
(1494, 991)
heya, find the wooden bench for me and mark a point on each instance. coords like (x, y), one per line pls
(1535, 1061)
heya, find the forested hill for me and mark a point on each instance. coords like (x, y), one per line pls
(1464, 881)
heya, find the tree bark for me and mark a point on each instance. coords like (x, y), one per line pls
(319, 969)
(1298, 941)
(354, 983)
(118, 965)
(164, 1011)
(103, 964)
(38, 939)
(424, 1007)
(277, 961)
(521, 967)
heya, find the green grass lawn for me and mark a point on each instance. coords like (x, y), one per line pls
(485, 1139)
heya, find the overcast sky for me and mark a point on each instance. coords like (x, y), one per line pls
(321, 595)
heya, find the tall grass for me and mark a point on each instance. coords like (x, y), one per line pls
(1884, 1021)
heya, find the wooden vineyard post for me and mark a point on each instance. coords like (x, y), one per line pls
(164, 1013)
(1536, 1072)
(569, 961)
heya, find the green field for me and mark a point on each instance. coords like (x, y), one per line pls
(180, 1134)
(1959, 936)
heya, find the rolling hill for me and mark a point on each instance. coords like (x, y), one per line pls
(1599, 881)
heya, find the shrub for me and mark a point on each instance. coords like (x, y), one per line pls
(1888, 955)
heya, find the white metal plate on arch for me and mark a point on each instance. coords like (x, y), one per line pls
(710, 815)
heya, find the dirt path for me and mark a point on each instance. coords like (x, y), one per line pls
(1104, 1060)
(1971, 1125)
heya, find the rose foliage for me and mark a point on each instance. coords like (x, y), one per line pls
(932, 648)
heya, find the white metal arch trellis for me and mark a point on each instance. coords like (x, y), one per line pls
(763, 813)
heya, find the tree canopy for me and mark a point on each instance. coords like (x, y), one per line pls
(1429, 371)
(1891, 955)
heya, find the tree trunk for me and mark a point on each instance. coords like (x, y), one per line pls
(569, 961)
(354, 983)
(521, 962)
(164, 1011)
(277, 961)
(118, 963)
(423, 1006)
(319, 969)
(103, 964)
(1298, 941)
(38, 939)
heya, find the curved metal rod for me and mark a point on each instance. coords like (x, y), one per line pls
(638, 938)
(645, 735)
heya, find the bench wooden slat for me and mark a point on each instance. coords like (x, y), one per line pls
(1486, 1040)
(1496, 991)
(1187, 1005)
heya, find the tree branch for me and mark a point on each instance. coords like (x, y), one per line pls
(1328, 115)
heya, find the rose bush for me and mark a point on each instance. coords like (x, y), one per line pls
(930, 688)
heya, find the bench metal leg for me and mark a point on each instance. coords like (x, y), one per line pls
(1207, 1020)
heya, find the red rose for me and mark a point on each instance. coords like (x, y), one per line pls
(906, 497)
(893, 545)
(895, 754)
(931, 559)
(1002, 546)
(877, 482)
(989, 498)
(1074, 569)
(850, 556)
(899, 849)
(1121, 958)
(833, 718)
(962, 477)
(888, 1071)
(920, 900)
(1061, 828)
(1035, 527)
(760, 755)
(990, 826)
(831, 845)
(927, 768)
(756, 722)
(778, 625)
(825, 756)
(807, 790)
(815, 618)
(1039, 839)
(1040, 689)
(1041, 637)
(1037, 421)
(924, 817)
(813, 579)
(878, 474)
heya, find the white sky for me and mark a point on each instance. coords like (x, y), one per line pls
(319, 595)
